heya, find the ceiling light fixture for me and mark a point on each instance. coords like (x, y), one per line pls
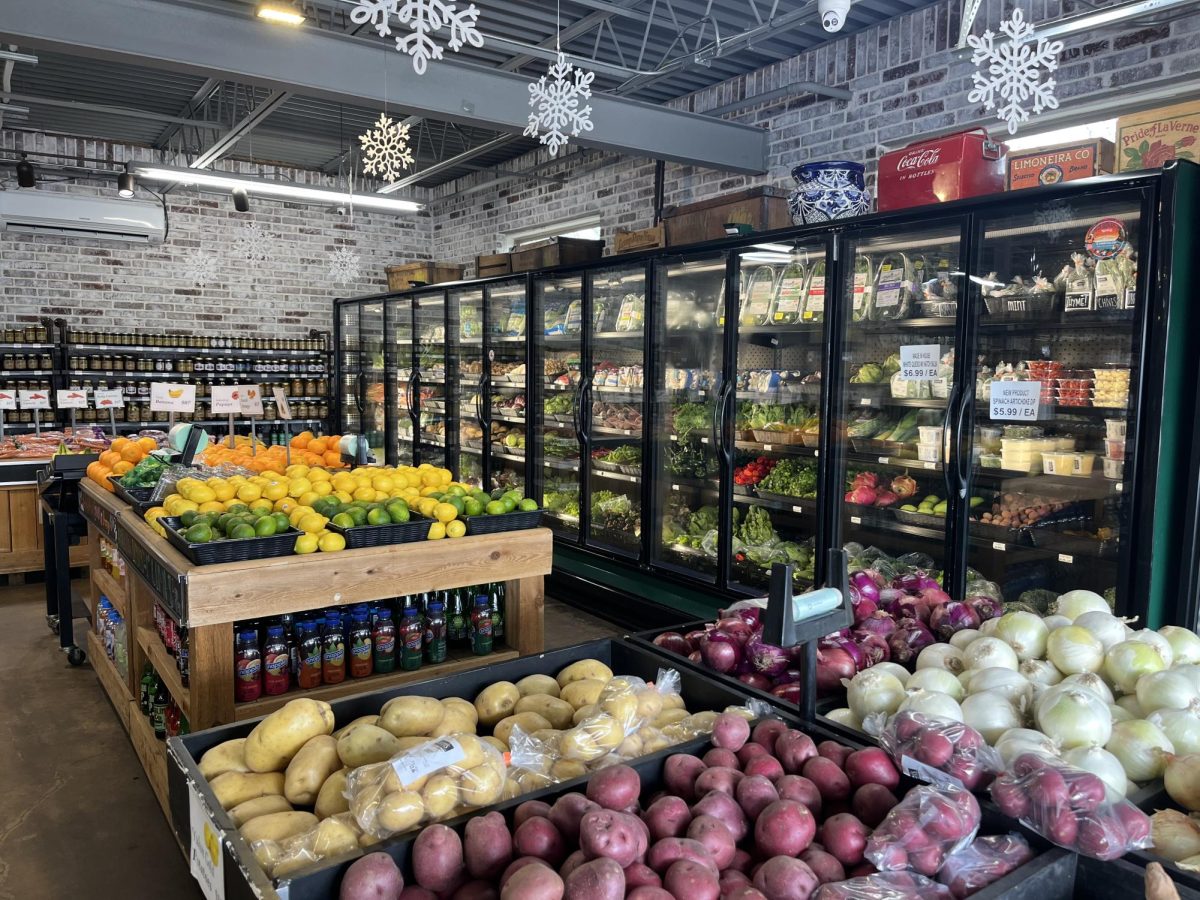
(126, 183)
(278, 190)
(283, 15)
(26, 177)
(240, 201)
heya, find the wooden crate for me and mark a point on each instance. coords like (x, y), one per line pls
(493, 264)
(642, 239)
(761, 208)
(560, 251)
(1147, 140)
(400, 277)
(1066, 162)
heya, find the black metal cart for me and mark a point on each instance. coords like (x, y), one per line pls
(62, 527)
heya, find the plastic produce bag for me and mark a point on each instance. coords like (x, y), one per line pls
(987, 859)
(173, 473)
(940, 751)
(924, 829)
(1070, 807)
(427, 783)
(884, 886)
(333, 837)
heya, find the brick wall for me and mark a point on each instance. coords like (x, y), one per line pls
(905, 81)
(126, 285)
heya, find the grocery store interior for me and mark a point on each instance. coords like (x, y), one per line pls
(690, 449)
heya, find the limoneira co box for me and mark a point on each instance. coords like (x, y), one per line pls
(1148, 139)
(1057, 164)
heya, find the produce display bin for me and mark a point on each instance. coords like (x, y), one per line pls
(1149, 799)
(379, 535)
(138, 498)
(1119, 879)
(514, 521)
(230, 551)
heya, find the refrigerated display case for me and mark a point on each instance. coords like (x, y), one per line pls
(399, 397)
(464, 391)
(504, 397)
(429, 333)
(348, 359)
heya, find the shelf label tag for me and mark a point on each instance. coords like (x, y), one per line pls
(914, 768)
(674, 487)
(207, 856)
(930, 465)
(108, 398)
(72, 398)
(34, 399)
(767, 448)
(798, 509)
(281, 403)
(856, 520)
(1066, 558)
(1015, 401)
(864, 401)
(168, 397)
(884, 459)
(250, 399)
(919, 362)
(999, 545)
(8, 399)
(224, 400)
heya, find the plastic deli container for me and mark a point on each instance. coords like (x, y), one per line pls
(1114, 468)
(929, 452)
(990, 461)
(1114, 448)
(1058, 463)
(989, 438)
(1082, 463)
(1114, 429)
(930, 434)
(1064, 443)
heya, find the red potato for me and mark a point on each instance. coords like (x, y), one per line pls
(517, 865)
(717, 779)
(598, 879)
(667, 817)
(616, 787)
(568, 811)
(670, 850)
(800, 789)
(742, 860)
(793, 748)
(611, 834)
(488, 847)
(572, 862)
(754, 793)
(725, 809)
(437, 859)
(823, 864)
(767, 732)
(529, 809)
(845, 838)
(730, 731)
(871, 766)
(477, 890)
(691, 881)
(647, 892)
(372, 877)
(680, 773)
(731, 879)
(785, 878)
(719, 757)
(538, 837)
(415, 892)
(785, 828)
(835, 751)
(745, 892)
(749, 751)
(767, 766)
(640, 875)
(829, 778)
(533, 883)
(716, 838)
(871, 803)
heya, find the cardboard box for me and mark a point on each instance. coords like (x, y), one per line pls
(951, 167)
(760, 208)
(402, 277)
(1148, 139)
(1057, 164)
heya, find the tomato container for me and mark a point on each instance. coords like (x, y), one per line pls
(951, 167)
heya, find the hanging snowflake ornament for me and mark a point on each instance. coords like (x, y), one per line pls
(344, 266)
(556, 104)
(199, 268)
(253, 243)
(385, 149)
(1014, 70)
(424, 19)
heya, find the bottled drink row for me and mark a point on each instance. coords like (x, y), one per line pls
(199, 365)
(157, 705)
(113, 634)
(183, 341)
(306, 651)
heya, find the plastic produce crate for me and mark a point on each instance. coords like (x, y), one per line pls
(138, 498)
(230, 551)
(1150, 799)
(513, 521)
(416, 529)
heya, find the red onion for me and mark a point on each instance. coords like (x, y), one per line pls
(915, 581)
(696, 638)
(861, 606)
(879, 623)
(792, 675)
(914, 607)
(833, 664)
(950, 618)
(766, 658)
(848, 645)
(787, 692)
(934, 596)
(720, 652)
(748, 614)
(874, 648)
(985, 607)
(695, 656)
(910, 638)
(738, 629)
(755, 680)
(674, 642)
(865, 585)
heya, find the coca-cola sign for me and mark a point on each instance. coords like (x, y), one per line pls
(919, 159)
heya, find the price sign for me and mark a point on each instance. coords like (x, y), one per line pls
(224, 400)
(34, 399)
(250, 399)
(207, 856)
(167, 397)
(1015, 401)
(919, 362)
(281, 403)
(108, 399)
(8, 399)
(72, 398)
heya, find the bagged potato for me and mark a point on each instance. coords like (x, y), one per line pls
(333, 837)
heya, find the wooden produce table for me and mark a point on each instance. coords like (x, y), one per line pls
(207, 600)
(21, 519)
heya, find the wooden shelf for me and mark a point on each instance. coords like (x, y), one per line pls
(110, 679)
(110, 588)
(164, 665)
(152, 753)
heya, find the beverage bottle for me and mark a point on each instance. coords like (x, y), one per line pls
(411, 638)
(247, 662)
(289, 632)
(383, 640)
(146, 689)
(333, 657)
(456, 616)
(308, 674)
(360, 645)
(185, 727)
(171, 719)
(158, 711)
(276, 669)
(481, 627)
(435, 633)
(496, 597)
(181, 659)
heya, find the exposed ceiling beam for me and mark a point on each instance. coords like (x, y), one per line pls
(227, 141)
(198, 99)
(183, 38)
(451, 163)
(116, 111)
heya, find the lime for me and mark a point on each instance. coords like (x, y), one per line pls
(472, 507)
(457, 502)
(495, 508)
(198, 534)
(223, 521)
(281, 522)
(379, 517)
(358, 514)
(265, 527)
(188, 518)
(237, 508)
(398, 512)
(509, 503)
(456, 491)
(527, 505)
(242, 531)
(343, 520)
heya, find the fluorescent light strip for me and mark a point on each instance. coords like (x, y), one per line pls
(277, 189)
(281, 14)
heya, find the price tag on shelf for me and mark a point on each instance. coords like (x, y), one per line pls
(919, 362)
(864, 401)
(1015, 401)
(999, 545)
(798, 509)
(224, 400)
(1066, 558)
(206, 855)
(930, 465)
(8, 399)
(281, 403)
(767, 447)
(34, 399)
(108, 398)
(72, 398)
(674, 487)
(855, 520)
(168, 397)
(884, 459)
(250, 399)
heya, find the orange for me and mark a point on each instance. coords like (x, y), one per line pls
(122, 467)
(133, 453)
(333, 458)
(92, 469)
(147, 444)
(316, 445)
(110, 458)
(300, 441)
(119, 444)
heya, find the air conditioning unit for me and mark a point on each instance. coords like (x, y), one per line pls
(75, 215)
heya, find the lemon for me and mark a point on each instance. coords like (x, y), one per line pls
(284, 505)
(446, 476)
(311, 523)
(298, 513)
(318, 475)
(296, 471)
(271, 476)
(249, 492)
(308, 498)
(154, 513)
(381, 483)
(182, 506)
(276, 490)
(430, 489)
(365, 493)
(222, 490)
(331, 542)
(322, 488)
(306, 543)
(444, 512)
(298, 487)
(412, 479)
(212, 506)
(343, 496)
(171, 498)
(431, 478)
(456, 529)
(437, 531)
(427, 507)
(261, 504)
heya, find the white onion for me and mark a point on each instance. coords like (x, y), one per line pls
(1120, 713)
(1053, 623)
(895, 669)
(991, 714)
(1182, 781)
(964, 678)
(933, 703)
(843, 716)
(1167, 689)
(1074, 650)
(873, 691)
(936, 680)
(1090, 681)
(1016, 741)
(1181, 726)
(941, 656)
(961, 639)
(1128, 661)
(1040, 671)
(1185, 644)
(1106, 627)
(1073, 717)
(1130, 704)
(1141, 747)
(989, 652)
(1012, 685)
(1191, 672)
(1158, 642)
(988, 628)
(1025, 632)
(1074, 604)
(1102, 764)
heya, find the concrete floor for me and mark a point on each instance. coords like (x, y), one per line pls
(77, 816)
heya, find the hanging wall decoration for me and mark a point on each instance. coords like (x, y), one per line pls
(556, 104)
(385, 149)
(1010, 73)
(253, 242)
(344, 266)
(199, 268)
(424, 19)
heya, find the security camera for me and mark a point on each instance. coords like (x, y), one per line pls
(340, 210)
(833, 13)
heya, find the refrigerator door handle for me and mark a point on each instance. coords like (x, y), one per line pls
(720, 430)
(964, 464)
(950, 489)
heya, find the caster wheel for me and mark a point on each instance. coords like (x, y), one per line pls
(52, 623)
(55, 628)
(76, 656)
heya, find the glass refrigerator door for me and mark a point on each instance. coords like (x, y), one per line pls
(559, 365)
(400, 367)
(350, 369)
(780, 332)
(430, 384)
(1053, 439)
(466, 318)
(689, 350)
(615, 391)
(903, 291)
(503, 398)
(374, 379)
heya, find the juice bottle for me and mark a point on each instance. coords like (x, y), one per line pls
(383, 641)
(308, 674)
(361, 663)
(481, 627)
(435, 633)
(333, 649)
(181, 658)
(276, 664)
(247, 661)
(412, 638)
(456, 615)
(146, 689)
(789, 295)
(496, 596)
(158, 710)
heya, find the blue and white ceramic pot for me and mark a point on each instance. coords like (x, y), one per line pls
(828, 190)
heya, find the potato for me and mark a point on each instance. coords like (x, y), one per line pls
(599, 879)
(277, 826)
(672, 701)
(495, 742)
(534, 882)
(623, 708)
(361, 720)
(528, 722)
(473, 747)
(480, 786)
(669, 717)
(410, 716)
(615, 835)
(538, 684)
(399, 811)
(331, 798)
(496, 701)
(591, 740)
(650, 705)
(464, 706)
(566, 769)
(229, 756)
(279, 737)
(549, 738)
(555, 711)
(234, 788)
(259, 806)
(440, 796)
(616, 788)
(686, 878)
(407, 743)
(336, 837)
(437, 859)
(488, 848)
(583, 693)
(652, 740)
(667, 817)
(540, 838)
(373, 876)
(455, 721)
(308, 770)
(366, 744)
(584, 712)
(584, 669)
(705, 719)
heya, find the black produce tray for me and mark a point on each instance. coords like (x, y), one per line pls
(230, 551)
(745, 490)
(138, 498)
(416, 529)
(807, 503)
(1120, 879)
(1149, 800)
(513, 521)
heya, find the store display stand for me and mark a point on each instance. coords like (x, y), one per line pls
(62, 526)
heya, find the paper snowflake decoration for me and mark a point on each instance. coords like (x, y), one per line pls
(1052, 218)
(253, 243)
(344, 266)
(1014, 71)
(199, 268)
(424, 18)
(385, 149)
(556, 104)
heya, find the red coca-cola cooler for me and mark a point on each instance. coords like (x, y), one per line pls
(951, 167)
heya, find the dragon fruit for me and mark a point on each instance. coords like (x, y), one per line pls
(904, 486)
(885, 498)
(862, 495)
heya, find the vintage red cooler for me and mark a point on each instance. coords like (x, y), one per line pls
(963, 164)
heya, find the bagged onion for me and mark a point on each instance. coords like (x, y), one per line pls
(1090, 681)
(1141, 747)
(1074, 604)
(1102, 764)
(1074, 650)
(1012, 685)
(1128, 661)
(1073, 717)
(1165, 690)
(991, 714)
(1025, 632)
(1181, 726)
(873, 691)
(932, 703)
(1185, 644)
(989, 652)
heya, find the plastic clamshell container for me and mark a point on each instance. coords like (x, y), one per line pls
(989, 438)
(990, 460)
(1065, 444)
(930, 434)
(1114, 468)
(1114, 448)
(929, 452)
